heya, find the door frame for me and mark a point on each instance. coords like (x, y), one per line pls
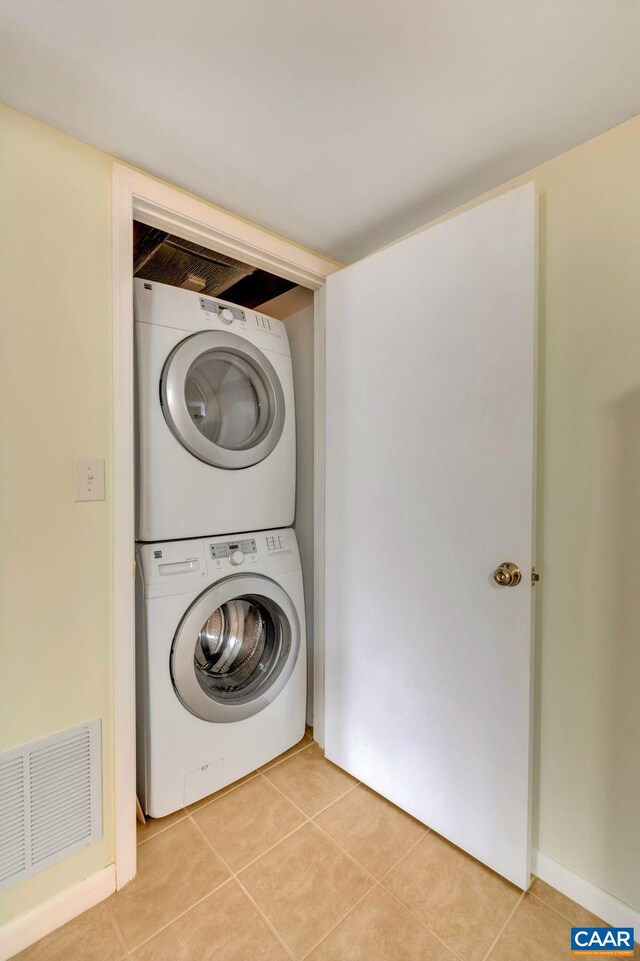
(136, 195)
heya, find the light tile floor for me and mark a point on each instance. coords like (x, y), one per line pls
(299, 860)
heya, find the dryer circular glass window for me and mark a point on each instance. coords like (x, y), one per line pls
(235, 648)
(222, 399)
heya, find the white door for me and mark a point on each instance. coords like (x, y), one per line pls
(429, 488)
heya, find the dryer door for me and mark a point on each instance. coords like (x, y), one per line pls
(235, 648)
(222, 399)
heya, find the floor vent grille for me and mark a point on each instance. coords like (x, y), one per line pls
(50, 801)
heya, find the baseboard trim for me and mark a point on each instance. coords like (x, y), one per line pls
(28, 928)
(586, 893)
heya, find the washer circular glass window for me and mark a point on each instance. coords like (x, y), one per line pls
(222, 399)
(235, 649)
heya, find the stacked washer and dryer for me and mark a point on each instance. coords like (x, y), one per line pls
(220, 634)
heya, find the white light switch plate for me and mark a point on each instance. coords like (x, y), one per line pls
(88, 479)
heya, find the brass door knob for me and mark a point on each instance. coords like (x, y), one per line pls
(507, 575)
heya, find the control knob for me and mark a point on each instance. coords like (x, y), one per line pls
(236, 558)
(226, 315)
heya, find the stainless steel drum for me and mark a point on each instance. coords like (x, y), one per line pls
(231, 643)
(235, 648)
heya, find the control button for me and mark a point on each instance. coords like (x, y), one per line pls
(236, 558)
(274, 543)
(226, 315)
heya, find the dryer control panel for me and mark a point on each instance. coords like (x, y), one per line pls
(226, 312)
(161, 305)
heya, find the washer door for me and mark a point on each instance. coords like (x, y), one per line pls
(222, 399)
(235, 648)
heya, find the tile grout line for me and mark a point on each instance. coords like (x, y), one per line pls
(189, 815)
(335, 801)
(234, 876)
(116, 925)
(250, 863)
(406, 907)
(557, 911)
(404, 854)
(422, 923)
(307, 820)
(310, 817)
(162, 830)
(269, 924)
(357, 864)
(228, 790)
(178, 916)
(504, 926)
(349, 855)
(547, 905)
(233, 787)
(376, 881)
(277, 762)
(337, 924)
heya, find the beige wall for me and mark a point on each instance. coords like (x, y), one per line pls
(55, 286)
(55, 215)
(589, 533)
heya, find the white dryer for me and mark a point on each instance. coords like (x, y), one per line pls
(216, 421)
(221, 662)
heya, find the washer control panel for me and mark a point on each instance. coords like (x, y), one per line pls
(234, 550)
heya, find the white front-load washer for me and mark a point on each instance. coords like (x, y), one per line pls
(221, 662)
(215, 415)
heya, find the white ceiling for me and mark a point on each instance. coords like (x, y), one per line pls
(341, 124)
